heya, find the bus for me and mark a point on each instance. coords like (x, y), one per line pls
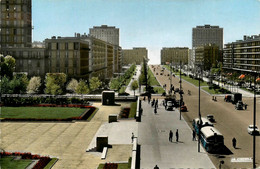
(211, 138)
(205, 122)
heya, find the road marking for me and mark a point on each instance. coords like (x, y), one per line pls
(242, 160)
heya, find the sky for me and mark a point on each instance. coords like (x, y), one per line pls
(153, 24)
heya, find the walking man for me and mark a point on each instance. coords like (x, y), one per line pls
(177, 135)
(193, 135)
(234, 142)
(170, 136)
(133, 137)
(156, 167)
(155, 110)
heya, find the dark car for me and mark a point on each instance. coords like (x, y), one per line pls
(169, 105)
(239, 105)
(184, 108)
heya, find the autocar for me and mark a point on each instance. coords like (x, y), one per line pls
(250, 130)
(161, 73)
(156, 73)
(239, 105)
(169, 105)
(184, 108)
(211, 118)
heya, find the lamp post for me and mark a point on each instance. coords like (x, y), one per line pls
(180, 91)
(254, 121)
(199, 111)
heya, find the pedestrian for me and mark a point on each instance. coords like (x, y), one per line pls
(133, 137)
(156, 167)
(193, 135)
(245, 106)
(177, 135)
(144, 98)
(149, 99)
(170, 136)
(234, 142)
(155, 110)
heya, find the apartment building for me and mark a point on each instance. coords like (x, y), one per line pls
(106, 33)
(28, 60)
(243, 55)
(207, 34)
(175, 55)
(82, 56)
(134, 56)
(16, 23)
(207, 56)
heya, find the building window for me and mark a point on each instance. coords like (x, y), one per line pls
(57, 46)
(66, 46)
(76, 46)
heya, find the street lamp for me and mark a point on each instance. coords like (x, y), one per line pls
(200, 121)
(254, 121)
(180, 91)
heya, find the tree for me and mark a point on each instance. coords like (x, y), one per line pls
(7, 66)
(34, 85)
(54, 83)
(82, 88)
(94, 83)
(5, 85)
(19, 84)
(134, 86)
(72, 86)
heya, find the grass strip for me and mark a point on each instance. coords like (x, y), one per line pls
(133, 108)
(51, 163)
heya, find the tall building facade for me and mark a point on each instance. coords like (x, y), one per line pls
(27, 60)
(207, 34)
(207, 56)
(134, 56)
(243, 55)
(175, 55)
(82, 56)
(16, 23)
(106, 33)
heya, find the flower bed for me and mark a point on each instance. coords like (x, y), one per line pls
(43, 160)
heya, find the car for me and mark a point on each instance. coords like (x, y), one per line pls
(250, 130)
(211, 118)
(184, 108)
(161, 73)
(239, 105)
(169, 105)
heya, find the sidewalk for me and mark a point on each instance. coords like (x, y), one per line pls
(153, 134)
(135, 77)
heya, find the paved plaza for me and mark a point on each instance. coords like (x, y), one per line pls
(67, 141)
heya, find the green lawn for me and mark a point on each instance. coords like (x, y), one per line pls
(187, 78)
(152, 79)
(132, 110)
(9, 163)
(41, 112)
(158, 90)
(212, 91)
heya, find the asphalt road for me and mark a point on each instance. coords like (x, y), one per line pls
(229, 121)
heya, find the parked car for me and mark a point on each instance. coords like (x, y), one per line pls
(250, 130)
(169, 105)
(239, 105)
(227, 98)
(184, 108)
(211, 118)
